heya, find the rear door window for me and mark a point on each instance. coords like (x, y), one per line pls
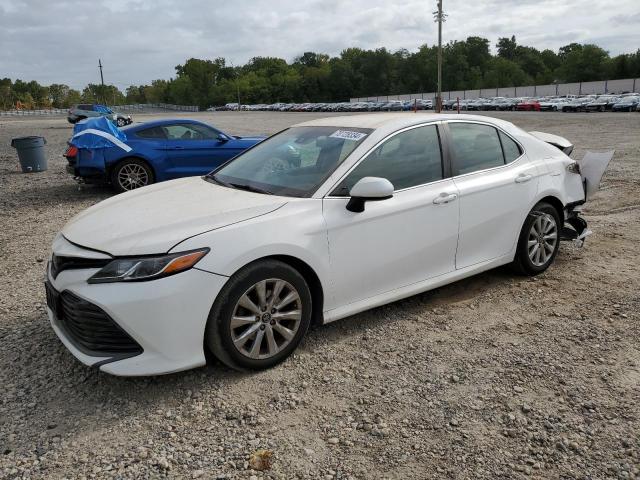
(475, 147)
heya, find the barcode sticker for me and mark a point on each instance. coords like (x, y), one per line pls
(348, 135)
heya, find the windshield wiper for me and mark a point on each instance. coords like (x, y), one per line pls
(212, 178)
(239, 186)
(249, 188)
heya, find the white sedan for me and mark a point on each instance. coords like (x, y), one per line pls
(318, 222)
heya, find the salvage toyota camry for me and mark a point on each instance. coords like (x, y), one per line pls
(320, 221)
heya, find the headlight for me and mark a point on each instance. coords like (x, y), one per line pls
(147, 268)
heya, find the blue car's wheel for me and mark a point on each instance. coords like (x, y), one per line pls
(130, 174)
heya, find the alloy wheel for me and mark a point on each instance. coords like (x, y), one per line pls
(266, 318)
(542, 240)
(132, 176)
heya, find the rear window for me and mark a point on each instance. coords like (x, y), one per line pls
(88, 108)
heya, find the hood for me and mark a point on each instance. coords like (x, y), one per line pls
(257, 138)
(246, 142)
(154, 219)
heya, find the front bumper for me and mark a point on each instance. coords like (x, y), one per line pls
(165, 317)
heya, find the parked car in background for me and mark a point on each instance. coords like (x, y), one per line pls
(153, 152)
(507, 104)
(626, 104)
(529, 105)
(601, 104)
(576, 104)
(92, 110)
(552, 104)
(243, 260)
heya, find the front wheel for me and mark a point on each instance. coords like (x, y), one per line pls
(260, 316)
(130, 174)
(539, 240)
(121, 122)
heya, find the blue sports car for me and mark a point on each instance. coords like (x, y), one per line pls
(150, 152)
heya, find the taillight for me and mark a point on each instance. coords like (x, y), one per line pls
(72, 151)
(574, 168)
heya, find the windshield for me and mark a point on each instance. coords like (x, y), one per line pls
(294, 162)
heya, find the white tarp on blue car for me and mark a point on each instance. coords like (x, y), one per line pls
(98, 132)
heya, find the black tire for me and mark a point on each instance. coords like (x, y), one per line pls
(121, 122)
(522, 263)
(117, 173)
(218, 333)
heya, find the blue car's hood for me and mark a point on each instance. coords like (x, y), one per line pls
(247, 142)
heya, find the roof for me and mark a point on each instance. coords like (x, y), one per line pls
(391, 121)
(158, 123)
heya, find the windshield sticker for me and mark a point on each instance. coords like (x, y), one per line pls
(348, 135)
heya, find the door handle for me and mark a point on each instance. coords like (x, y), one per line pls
(444, 198)
(523, 178)
(178, 147)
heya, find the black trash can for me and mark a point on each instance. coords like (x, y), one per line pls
(31, 153)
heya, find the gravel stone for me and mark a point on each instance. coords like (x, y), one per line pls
(422, 388)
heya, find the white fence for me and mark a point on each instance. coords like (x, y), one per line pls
(578, 88)
(44, 111)
(156, 106)
(141, 107)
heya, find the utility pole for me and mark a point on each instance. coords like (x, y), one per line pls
(101, 78)
(439, 17)
(237, 84)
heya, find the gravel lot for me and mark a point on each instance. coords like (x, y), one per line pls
(496, 376)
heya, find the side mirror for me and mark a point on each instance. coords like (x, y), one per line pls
(369, 189)
(222, 138)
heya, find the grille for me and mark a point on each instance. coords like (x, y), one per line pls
(90, 329)
(60, 263)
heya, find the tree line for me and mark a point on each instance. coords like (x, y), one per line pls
(317, 77)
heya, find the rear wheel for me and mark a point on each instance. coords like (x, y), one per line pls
(260, 316)
(130, 174)
(539, 240)
(121, 122)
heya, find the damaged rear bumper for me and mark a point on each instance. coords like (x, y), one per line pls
(575, 227)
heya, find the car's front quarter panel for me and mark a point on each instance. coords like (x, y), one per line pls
(296, 230)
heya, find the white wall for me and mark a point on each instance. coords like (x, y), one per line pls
(577, 88)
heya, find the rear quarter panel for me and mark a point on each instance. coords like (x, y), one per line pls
(557, 181)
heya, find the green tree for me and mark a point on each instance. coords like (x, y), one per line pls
(507, 47)
(583, 63)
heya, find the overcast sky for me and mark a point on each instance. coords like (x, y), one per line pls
(60, 41)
